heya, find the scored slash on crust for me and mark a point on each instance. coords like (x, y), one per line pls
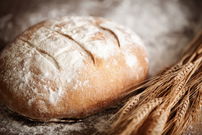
(111, 32)
(44, 54)
(77, 43)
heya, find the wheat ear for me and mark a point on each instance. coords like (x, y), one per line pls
(139, 115)
(182, 110)
(133, 101)
(156, 122)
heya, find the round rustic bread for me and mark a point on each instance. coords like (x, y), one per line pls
(70, 68)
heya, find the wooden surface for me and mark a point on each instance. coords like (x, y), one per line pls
(165, 26)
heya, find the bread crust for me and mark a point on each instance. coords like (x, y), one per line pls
(70, 68)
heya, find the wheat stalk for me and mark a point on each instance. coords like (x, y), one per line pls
(157, 121)
(182, 111)
(167, 103)
(190, 117)
(178, 121)
(183, 73)
(139, 114)
(132, 102)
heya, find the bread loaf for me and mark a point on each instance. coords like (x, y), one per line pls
(70, 68)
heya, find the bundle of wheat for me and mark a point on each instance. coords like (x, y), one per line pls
(167, 103)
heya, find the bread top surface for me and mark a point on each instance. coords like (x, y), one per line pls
(70, 67)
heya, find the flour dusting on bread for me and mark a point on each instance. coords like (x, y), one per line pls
(70, 67)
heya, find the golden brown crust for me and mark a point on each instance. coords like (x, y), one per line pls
(70, 68)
